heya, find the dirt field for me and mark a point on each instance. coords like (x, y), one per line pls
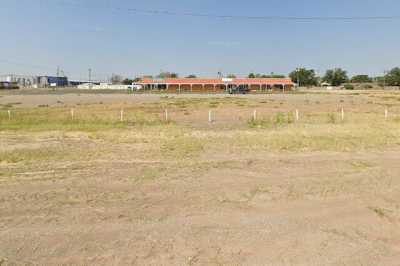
(243, 190)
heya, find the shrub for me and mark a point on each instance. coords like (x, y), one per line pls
(367, 86)
(331, 118)
(290, 118)
(348, 87)
(261, 123)
(280, 118)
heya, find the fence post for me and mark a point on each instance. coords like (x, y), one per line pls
(9, 115)
(166, 115)
(386, 113)
(122, 115)
(297, 115)
(210, 119)
(255, 115)
(342, 114)
(72, 114)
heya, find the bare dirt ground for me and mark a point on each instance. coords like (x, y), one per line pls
(200, 194)
(30, 98)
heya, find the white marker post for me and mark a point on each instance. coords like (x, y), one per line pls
(9, 115)
(342, 114)
(72, 114)
(122, 115)
(166, 115)
(255, 115)
(386, 114)
(210, 119)
(297, 115)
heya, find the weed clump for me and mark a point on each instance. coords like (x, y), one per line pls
(332, 118)
(280, 119)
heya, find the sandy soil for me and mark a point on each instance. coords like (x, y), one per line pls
(107, 202)
(73, 99)
(248, 209)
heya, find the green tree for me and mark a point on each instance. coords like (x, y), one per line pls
(276, 76)
(304, 77)
(258, 75)
(191, 77)
(336, 77)
(127, 81)
(393, 77)
(231, 76)
(361, 79)
(164, 75)
(380, 80)
(116, 79)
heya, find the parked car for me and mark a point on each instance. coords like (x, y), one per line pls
(241, 89)
(135, 87)
(8, 85)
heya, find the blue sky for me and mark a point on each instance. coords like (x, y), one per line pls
(39, 35)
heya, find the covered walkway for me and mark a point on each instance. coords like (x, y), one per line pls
(215, 84)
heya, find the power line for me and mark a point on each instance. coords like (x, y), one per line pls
(234, 16)
(288, 18)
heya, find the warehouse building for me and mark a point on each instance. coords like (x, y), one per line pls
(214, 84)
(35, 81)
(50, 81)
(20, 80)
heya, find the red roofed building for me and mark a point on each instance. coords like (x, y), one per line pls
(215, 84)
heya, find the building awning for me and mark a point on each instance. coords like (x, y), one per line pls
(217, 81)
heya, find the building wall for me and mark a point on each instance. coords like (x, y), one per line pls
(45, 81)
(5, 78)
(103, 87)
(40, 81)
(221, 88)
(21, 80)
(196, 88)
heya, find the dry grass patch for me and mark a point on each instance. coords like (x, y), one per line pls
(30, 155)
(85, 118)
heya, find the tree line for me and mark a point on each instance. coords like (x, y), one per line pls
(301, 76)
(338, 76)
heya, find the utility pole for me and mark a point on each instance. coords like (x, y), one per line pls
(58, 71)
(384, 79)
(298, 77)
(90, 77)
